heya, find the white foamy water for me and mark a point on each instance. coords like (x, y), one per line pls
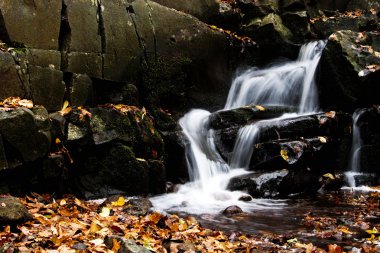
(289, 84)
(354, 163)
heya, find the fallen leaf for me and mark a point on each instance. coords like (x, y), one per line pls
(284, 154)
(105, 212)
(120, 202)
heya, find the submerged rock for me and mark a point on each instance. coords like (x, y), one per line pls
(232, 210)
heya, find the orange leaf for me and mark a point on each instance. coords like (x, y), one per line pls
(115, 245)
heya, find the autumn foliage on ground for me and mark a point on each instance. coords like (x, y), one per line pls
(72, 225)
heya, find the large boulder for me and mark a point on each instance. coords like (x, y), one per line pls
(205, 10)
(23, 137)
(113, 148)
(277, 184)
(324, 26)
(350, 70)
(24, 21)
(10, 85)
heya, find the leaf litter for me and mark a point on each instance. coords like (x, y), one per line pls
(73, 225)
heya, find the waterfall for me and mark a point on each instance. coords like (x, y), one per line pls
(288, 84)
(354, 163)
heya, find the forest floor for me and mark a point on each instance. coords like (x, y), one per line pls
(72, 225)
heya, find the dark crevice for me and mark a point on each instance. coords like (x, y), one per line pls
(131, 13)
(4, 36)
(153, 30)
(68, 79)
(64, 37)
(102, 34)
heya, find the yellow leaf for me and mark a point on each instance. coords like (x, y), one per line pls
(105, 212)
(284, 154)
(77, 201)
(322, 139)
(294, 240)
(345, 230)
(329, 175)
(140, 159)
(119, 202)
(65, 105)
(260, 108)
(94, 228)
(62, 203)
(57, 141)
(373, 231)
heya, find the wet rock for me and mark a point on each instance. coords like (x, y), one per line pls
(138, 207)
(19, 129)
(132, 127)
(202, 58)
(245, 198)
(58, 124)
(12, 211)
(10, 85)
(115, 167)
(293, 5)
(157, 176)
(41, 117)
(349, 75)
(3, 157)
(81, 90)
(85, 63)
(127, 245)
(259, 184)
(123, 53)
(277, 154)
(325, 26)
(277, 184)
(176, 169)
(271, 26)
(232, 210)
(44, 58)
(204, 10)
(298, 23)
(81, 16)
(253, 9)
(48, 88)
(363, 5)
(325, 124)
(35, 14)
(243, 115)
(370, 158)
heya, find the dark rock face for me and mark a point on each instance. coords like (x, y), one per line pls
(48, 17)
(19, 129)
(348, 70)
(204, 10)
(369, 125)
(10, 83)
(12, 211)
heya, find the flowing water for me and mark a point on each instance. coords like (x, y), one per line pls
(354, 167)
(288, 84)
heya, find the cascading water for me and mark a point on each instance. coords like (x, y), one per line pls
(288, 84)
(354, 164)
